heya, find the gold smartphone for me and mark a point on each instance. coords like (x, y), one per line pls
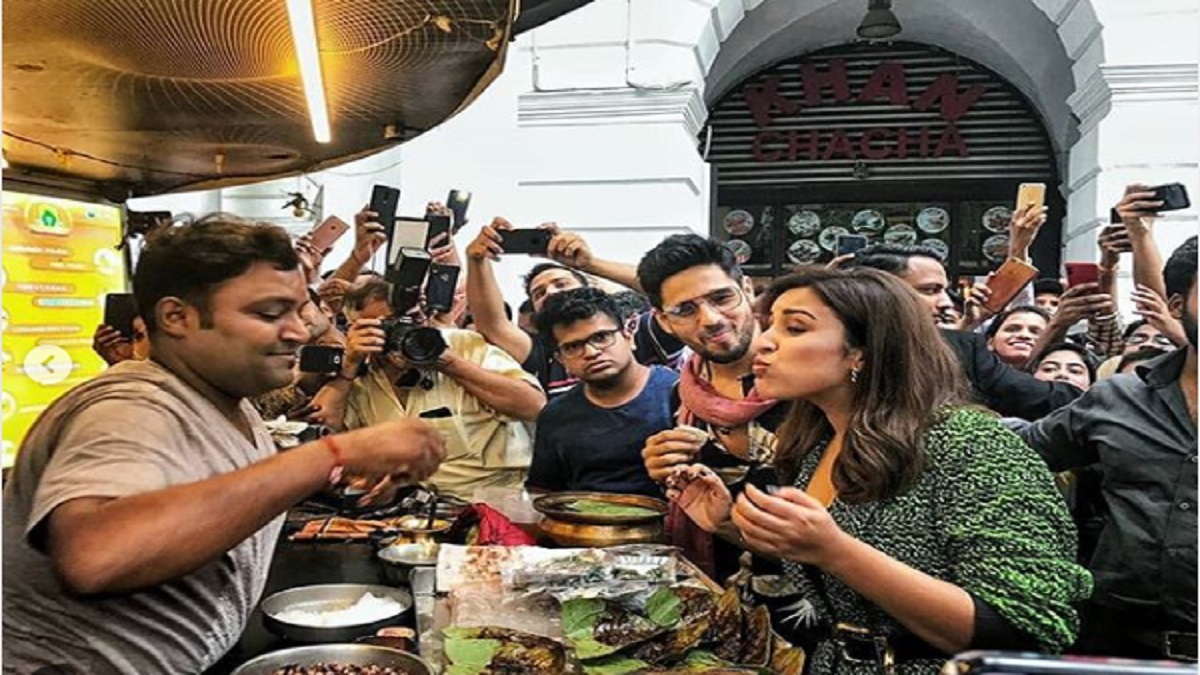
(1031, 194)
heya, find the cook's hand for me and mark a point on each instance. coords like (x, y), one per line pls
(111, 345)
(1150, 305)
(701, 494)
(1026, 222)
(486, 245)
(1138, 209)
(1081, 302)
(366, 337)
(369, 235)
(789, 524)
(668, 449)
(570, 249)
(379, 492)
(408, 450)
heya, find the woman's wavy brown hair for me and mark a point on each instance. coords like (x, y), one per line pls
(910, 377)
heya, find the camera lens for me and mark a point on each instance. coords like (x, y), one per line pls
(422, 345)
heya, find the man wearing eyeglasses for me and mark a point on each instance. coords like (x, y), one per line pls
(591, 437)
(701, 296)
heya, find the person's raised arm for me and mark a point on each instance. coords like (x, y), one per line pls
(572, 250)
(484, 297)
(1137, 211)
(1084, 301)
(369, 236)
(121, 545)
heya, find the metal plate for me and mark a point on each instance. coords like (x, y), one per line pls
(329, 595)
(356, 655)
(933, 219)
(555, 505)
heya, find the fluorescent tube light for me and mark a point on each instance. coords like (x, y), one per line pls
(304, 35)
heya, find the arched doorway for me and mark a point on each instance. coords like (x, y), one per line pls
(901, 142)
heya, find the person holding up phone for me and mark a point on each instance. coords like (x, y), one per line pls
(915, 526)
(570, 253)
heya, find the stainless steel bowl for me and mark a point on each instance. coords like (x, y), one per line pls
(326, 597)
(356, 655)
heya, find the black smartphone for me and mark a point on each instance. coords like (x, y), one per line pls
(321, 359)
(384, 202)
(529, 242)
(435, 413)
(439, 290)
(458, 201)
(850, 243)
(437, 226)
(120, 309)
(1174, 197)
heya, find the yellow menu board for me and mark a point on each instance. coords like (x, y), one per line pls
(60, 260)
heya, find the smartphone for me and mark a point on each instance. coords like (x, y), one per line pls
(406, 232)
(1031, 194)
(1007, 281)
(1174, 197)
(1082, 273)
(439, 289)
(328, 232)
(435, 413)
(850, 243)
(384, 202)
(529, 242)
(437, 225)
(321, 359)
(120, 309)
(458, 201)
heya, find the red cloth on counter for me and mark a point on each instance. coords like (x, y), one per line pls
(495, 529)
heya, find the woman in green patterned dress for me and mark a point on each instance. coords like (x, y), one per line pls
(919, 526)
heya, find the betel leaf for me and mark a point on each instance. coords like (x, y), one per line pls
(703, 657)
(614, 665)
(597, 507)
(664, 608)
(579, 616)
(469, 656)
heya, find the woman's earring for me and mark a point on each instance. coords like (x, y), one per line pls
(853, 377)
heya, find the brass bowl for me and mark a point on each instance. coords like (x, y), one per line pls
(566, 527)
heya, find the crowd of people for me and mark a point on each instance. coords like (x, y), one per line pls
(923, 475)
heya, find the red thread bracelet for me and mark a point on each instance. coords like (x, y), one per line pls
(335, 474)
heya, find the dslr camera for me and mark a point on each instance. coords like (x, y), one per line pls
(419, 345)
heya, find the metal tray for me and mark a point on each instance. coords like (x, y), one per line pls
(329, 594)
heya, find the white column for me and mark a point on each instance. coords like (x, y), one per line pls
(1136, 98)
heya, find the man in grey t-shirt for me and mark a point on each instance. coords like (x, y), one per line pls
(141, 514)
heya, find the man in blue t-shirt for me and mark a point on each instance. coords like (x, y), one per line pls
(591, 437)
